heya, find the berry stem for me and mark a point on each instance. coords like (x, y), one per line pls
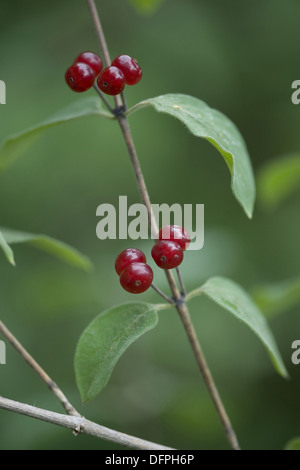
(124, 101)
(181, 282)
(181, 306)
(162, 294)
(109, 107)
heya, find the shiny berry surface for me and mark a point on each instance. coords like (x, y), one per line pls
(136, 278)
(167, 254)
(175, 233)
(111, 81)
(91, 59)
(130, 68)
(80, 77)
(131, 255)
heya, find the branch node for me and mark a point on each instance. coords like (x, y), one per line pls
(179, 301)
(77, 430)
(119, 111)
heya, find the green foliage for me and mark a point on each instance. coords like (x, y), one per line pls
(9, 254)
(198, 117)
(213, 126)
(105, 340)
(43, 242)
(235, 300)
(16, 145)
(293, 444)
(277, 298)
(278, 179)
(146, 6)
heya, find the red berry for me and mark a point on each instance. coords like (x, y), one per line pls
(80, 77)
(175, 233)
(111, 81)
(91, 59)
(131, 69)
(167, 254)
(136, 278)
(131, 255)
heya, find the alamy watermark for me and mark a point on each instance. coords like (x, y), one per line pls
(296, 94)
(132, 222)
(2, 352)
(2, 92)
(296, 353)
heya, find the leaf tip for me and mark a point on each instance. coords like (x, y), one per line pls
(285, 374)
(248, 208)
(89, 266)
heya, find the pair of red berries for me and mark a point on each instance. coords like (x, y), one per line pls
(124, 70)
(111, 80)
(167, 252)
(135, 275)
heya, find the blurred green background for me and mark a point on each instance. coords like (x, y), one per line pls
(241, 58)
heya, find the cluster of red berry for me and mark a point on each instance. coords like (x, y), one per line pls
(135, 275)
(124, 70)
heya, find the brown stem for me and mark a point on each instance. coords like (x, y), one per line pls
(102, 41)
(124, 124)
(38, 370)
(180, 304)
(207, 376)
(100, 33)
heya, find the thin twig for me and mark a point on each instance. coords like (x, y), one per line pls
(124, 124)
(79, 425)
(38, 370)
(75, 421)
(100, 33)
(180, 304)
(181, 282)
(162, 294)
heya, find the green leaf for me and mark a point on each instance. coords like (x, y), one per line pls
(9, 254)
(43, 242)
(278, 179)
(16, 145)
(277, 298)
(146, 7)
(235, 300)
(213, 126)
(293, 444)
(105, 340)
